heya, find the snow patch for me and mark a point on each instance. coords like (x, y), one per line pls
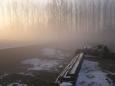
(17, 84)
(66, 84)
(41, 64)
(91, 75)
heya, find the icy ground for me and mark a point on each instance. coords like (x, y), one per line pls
(92, 75)
(41, 64)
(53, 60)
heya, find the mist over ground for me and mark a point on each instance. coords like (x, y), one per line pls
(68, 23)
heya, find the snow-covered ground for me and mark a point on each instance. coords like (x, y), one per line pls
(92, 75)
(16, 84)
(66, 84)
(53, 58)
(41, 64)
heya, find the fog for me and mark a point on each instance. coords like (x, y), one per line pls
(58, 22)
